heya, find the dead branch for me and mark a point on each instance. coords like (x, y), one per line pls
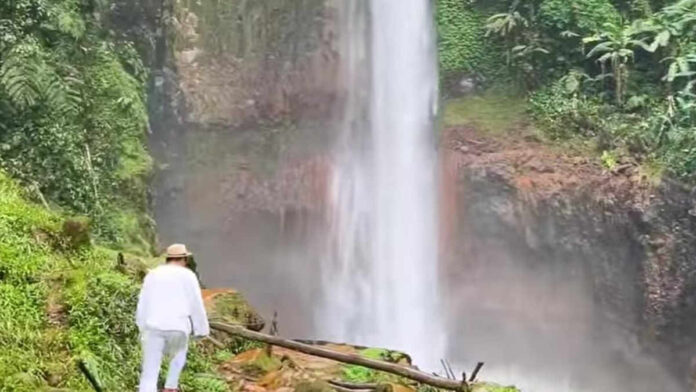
(352, 385)
(339, 388)
(215, 342)
(353, 359)
(476, 372)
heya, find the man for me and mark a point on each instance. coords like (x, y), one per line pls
(170, 309)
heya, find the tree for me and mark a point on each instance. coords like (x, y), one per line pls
(525, 46)
(615, 45)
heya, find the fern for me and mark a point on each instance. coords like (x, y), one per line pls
(28, 80)
(20, 75)
(63, 94)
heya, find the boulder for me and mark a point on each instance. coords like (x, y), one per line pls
(229, 306)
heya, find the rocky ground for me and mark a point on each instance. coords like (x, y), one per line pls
(259, 368)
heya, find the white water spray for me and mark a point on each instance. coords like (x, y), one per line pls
(380, 284)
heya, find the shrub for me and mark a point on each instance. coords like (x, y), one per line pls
(561, 115)
(462, 46)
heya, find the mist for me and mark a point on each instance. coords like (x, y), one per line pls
(539, 326)
(254, 204)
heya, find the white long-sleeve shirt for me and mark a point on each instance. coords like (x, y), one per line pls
(171, 300)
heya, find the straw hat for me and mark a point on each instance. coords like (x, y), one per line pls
(177, 251)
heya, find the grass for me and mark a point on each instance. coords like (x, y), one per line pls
(375, 353)
(360, 374)
(60, 306)
(494, 388)
(493, 111)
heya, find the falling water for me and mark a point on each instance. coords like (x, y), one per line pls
(381, 284)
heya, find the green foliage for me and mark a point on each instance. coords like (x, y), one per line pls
(31, 350)
(72, 119)
(562, 115)
(59, 306)
(358, 374)
(619, 73)
(239, 345)
(609, 159)
(21, 318)
(525, 49)
(656, 132)
(615, 46)
(199, 373)
(205, 383)
(462, 46)
(582, 17)
(100, 309)
(375, 353)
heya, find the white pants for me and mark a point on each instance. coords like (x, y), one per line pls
(155, 345)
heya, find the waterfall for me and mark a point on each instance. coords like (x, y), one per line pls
(380, 283)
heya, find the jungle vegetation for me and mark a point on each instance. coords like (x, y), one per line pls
(617, 72)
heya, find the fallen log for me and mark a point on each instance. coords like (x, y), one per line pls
(352, 385)
(339, 388)
(353, 359)
(215, 342)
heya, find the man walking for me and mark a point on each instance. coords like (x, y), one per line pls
(170, 309)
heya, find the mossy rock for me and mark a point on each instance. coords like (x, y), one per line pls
(229, 306)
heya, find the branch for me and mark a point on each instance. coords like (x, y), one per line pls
(476, 372)
(351, 385)
(339, 388)
(354, 359)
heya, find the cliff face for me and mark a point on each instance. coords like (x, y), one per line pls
(571, 229)
(240, 97)
(241, 62)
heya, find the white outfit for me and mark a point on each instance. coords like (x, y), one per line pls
(170, 309)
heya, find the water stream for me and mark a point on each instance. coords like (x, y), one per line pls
(381, 283)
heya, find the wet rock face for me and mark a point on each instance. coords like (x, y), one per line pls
(627, 246)
(232, 63)
(241, 62)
